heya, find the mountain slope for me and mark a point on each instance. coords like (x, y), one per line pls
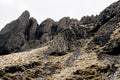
(67, 49)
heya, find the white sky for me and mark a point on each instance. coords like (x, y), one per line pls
(55, 9)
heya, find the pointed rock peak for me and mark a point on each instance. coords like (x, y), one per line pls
(32, 19)
(25, 14)
(65, 18)
(49, 20)
(67, 22)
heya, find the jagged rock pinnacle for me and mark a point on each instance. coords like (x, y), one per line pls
(25, 14)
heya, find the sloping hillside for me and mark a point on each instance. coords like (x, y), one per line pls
(67, 49)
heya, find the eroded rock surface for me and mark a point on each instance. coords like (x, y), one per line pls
(67, 49)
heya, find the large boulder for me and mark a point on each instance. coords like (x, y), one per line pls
(106, 15)
(3, 48)
(113, 48)
(66, 22)
(43, 31)
(103, 34)
(67, 40)
(88, 20)
(30, 30)
(15, 31)
(17, 25)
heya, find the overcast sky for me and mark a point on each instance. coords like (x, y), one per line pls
(55, 9)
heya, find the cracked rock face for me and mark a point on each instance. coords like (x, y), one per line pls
(25, 33)
(67, 49)
(15, 33)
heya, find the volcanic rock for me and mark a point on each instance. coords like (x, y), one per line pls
(67, 49)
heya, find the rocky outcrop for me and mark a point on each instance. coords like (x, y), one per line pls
(114, 48)
(88, 20)
(106, 26)
(106, 15)
(25, 33)
(17, 25)
(30, 30)
(14, 33)
(67, 49)
(43, 32)
(91, 73)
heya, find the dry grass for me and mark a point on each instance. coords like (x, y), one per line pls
(61, 72)
(116, 34)
(21, 58)
(82, 62)
(59, 63)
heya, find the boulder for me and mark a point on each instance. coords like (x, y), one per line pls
(14, 33)
(103, 34)
(113, 48)
(30, 30)
(106, 15)
(45, 27)
(88, 20)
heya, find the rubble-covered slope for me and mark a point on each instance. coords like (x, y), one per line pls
(67, 49)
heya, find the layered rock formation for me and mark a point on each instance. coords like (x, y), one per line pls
(20, 34)
(68, 49)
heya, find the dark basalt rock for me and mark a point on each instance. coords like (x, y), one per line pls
(24, 33)
(107, 23)
(17, 25)
(15, 31)
(69, 35)
(113, 48)
(66, 22)
(67, 40)
(91, 73)
(3, 39)
(103, 34)
(4, 50)
(45, 27)
(106, 15)
(1, 73)
(58, 53)
(78, 39)
(55, 29)
(88, 20)
(101, 39)
(16, 38)
(48, 29)
(13, 69)
(30, 30)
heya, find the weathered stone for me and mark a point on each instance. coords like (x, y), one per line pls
(113, 48)
(106, 15)
(88, 20)
(15, 31)
(45, 27)
(30, 30)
